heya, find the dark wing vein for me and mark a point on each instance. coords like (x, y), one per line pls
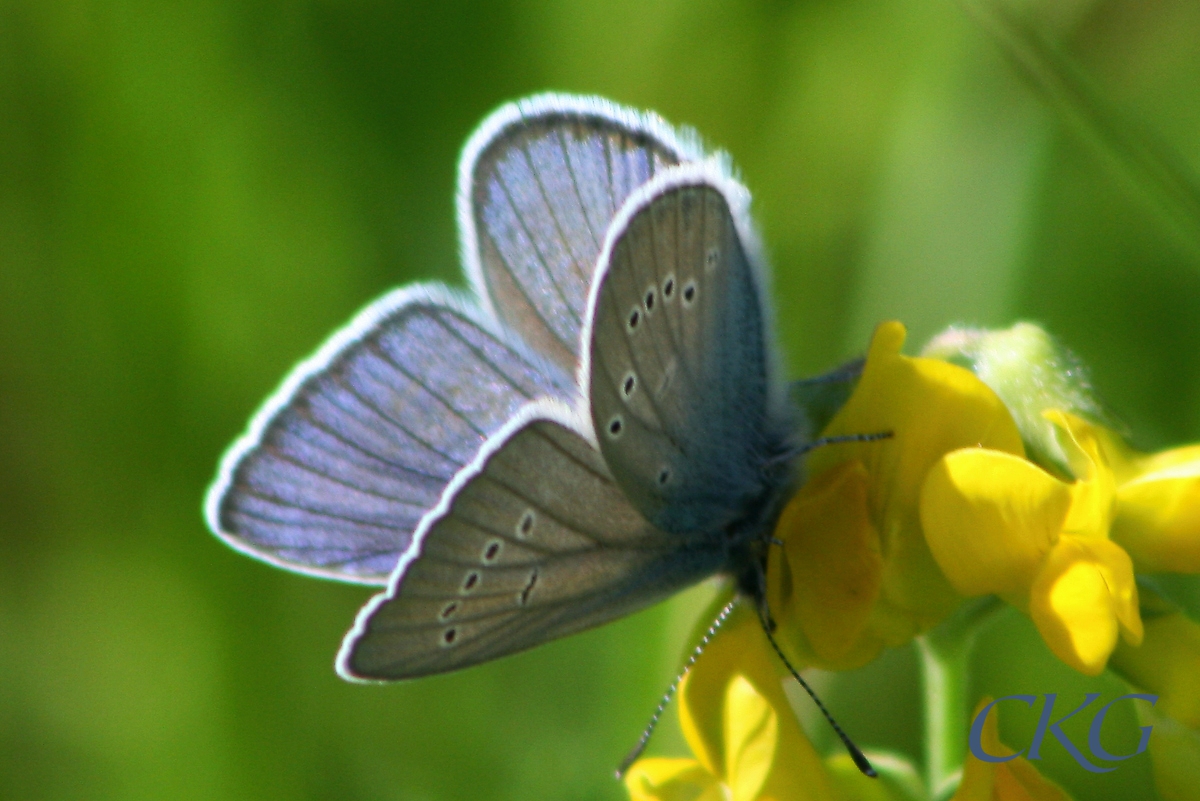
(567, 243)
(549, 274)
(405, 429)
(587, 218)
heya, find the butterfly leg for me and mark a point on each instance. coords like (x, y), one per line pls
(757, 590)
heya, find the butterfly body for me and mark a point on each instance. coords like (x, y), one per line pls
(600, 425)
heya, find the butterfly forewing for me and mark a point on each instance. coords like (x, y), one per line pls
(539, 184)
(339, 468)
(678, 372)
(533, 542)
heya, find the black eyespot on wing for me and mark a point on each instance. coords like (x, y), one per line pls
(492, 551)
(615, 427)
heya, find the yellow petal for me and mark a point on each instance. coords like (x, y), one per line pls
(1128, 464)
(724, 706)
(828, 578)
(1082, 596)
(931, 407)
(798, 773)
(737, 647)
(751, 735)
(1158, 505)
(1167, 664)
(990, 518)
(1158, 513)
(1166, 461)
(659, 779)
(1094, 492)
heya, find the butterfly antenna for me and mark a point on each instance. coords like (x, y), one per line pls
(823, 441)
(859, 758)
(637, 750)
(800, 450)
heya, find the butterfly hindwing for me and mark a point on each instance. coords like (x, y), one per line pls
(678, 371)
(539, 183)
(343, 461)
(532, 542)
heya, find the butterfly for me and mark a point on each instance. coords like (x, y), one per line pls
(596, 423)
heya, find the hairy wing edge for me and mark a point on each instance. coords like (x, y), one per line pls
(683, 140)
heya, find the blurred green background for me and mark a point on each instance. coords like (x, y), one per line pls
(194, 194)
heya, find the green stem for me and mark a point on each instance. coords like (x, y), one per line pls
(945, 652)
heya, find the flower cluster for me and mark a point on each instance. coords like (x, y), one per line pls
(999, 479)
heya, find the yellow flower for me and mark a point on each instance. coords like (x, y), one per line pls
(887, 536)
(1062, 550)
(999, 524)
(736, 718)
(856, 573)
(1014, 780)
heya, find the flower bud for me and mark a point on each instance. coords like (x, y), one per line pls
(1031, 373)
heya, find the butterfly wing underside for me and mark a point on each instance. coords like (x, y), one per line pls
(678, 369)
(339, 467)
(539, 184)
(533, 542)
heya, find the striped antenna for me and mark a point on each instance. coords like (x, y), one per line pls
(800, 450)
(632, 756)
(858, 756)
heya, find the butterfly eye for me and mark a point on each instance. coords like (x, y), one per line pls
(615, 427)
(635, 317)
(629, 385)
(664, 476)
(689, 293)
(650, 299)
(491, 551)
(669, 287)
(449, 610)
(449, 636)
(471, 581)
